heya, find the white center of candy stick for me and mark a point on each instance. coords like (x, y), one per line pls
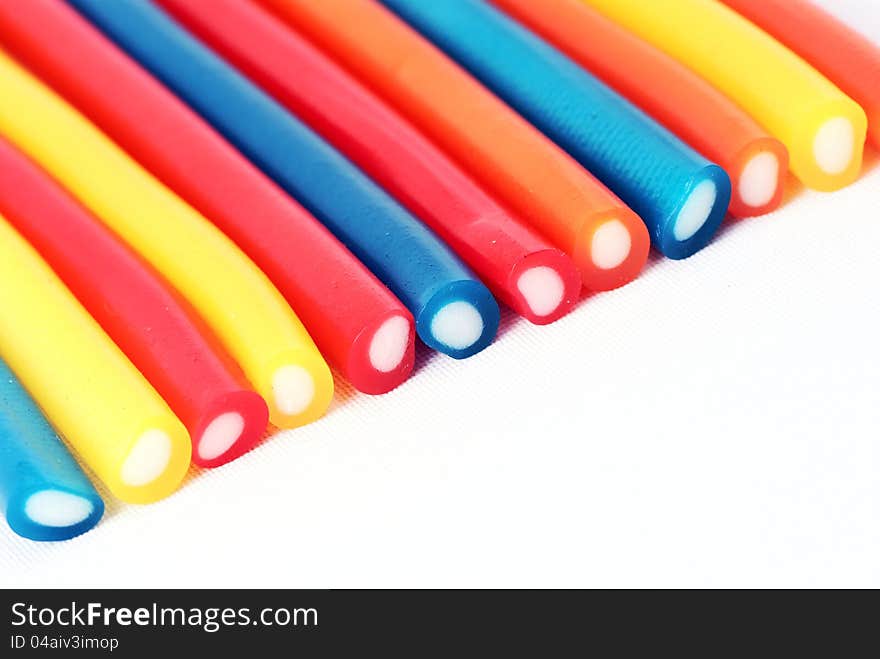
(610, 245)
(834, 145)
(759, 180)
(457, 325)
(293, 388)
(56, 508)
(148, 459)
(389, 343)
(220, 435)
(542, 288)
(695, 211)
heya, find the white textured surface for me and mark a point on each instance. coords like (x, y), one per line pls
(715, 423)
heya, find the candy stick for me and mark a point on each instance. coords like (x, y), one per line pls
(153, 327)
(43, 492)
(848, 59)
(93, 396)
(668, 91)
(508, 156)
(681, 196)
(242, 307)
(520, 267)
(454, 312)
(357, 323)
(822, 128)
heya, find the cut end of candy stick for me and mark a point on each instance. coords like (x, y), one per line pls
(457, 325)
(57, 509)
(293, 389)
(148, 459)
(300, 388)
(698, 216)
(220, 436)
(828, 153)
(695, 212)
(382, 356)
(230, 426)
(389, 344)
(543, 290)
(52, 514)
(611, 248)
(460, 320)
(612, 243)
(544, 286)
(156, 462)
(759, 180)
(758, 173)
(834, 146)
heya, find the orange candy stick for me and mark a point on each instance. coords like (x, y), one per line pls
(844, 56)
(512, 159)
(668, 91)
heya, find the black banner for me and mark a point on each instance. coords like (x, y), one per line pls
(134, 623)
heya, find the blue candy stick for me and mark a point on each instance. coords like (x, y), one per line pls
(44, 493)
(454, 312)
(681, 196)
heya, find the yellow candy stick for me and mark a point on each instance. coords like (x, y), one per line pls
(96, 399)
(823, 129)
(233, 296)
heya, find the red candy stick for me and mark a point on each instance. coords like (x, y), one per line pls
(358, 325)
(156, 329)
(534, 278)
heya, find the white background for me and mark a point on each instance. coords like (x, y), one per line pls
(715, 423)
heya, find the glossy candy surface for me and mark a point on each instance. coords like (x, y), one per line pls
(236, 300)
(522, 268)
(681, 196)
(87, 388)
(453, 311)
(511, 159)
(822, 128)
(347, 311)
(671, 93)
(155, 329)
